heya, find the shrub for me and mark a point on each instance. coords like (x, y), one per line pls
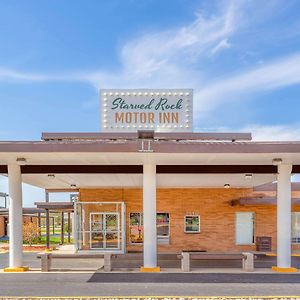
(30, 232)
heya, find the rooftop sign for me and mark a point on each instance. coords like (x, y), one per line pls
(162, 110)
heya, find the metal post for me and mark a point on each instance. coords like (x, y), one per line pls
(62, 234)
(53, 225)
(47, 222)
(39, 223)
(47, 229)
(69, 227)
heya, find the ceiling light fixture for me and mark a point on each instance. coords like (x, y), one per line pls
(226, 186)
(21, 161)
(248, 176)
(51, 176)
(277, 161)
(73, 186)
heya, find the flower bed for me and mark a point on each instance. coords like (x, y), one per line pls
(32, 248)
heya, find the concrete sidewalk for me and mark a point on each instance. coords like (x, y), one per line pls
(262, 265)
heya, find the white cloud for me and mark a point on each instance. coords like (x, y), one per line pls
(8, 74)
(262, 132)
(159, 59)
(274, 133)
(154, 52)
(171, 58)
(223, 44)
(276, 74)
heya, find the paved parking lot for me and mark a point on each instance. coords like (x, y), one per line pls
(87, 284)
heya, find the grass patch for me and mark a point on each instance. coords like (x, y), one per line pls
(54, 240)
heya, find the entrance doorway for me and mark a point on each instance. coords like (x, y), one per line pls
(105, 230)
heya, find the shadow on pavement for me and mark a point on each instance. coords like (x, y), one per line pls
(193, 278)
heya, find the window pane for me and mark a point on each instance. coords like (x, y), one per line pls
(162, 218)
(97, 222)
(162, 227)
(136, 234)
(136, 229)
(97, 240)
(163, 230)
(244, 228)
(296, 227)
(192, 224)
(111, 222)
(135, 218)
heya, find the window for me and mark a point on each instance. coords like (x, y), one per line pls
(192, 224)
(163, 228)
(296, 227)
(244, 228)
(136, 228)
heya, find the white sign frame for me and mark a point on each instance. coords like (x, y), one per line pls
(161, 110)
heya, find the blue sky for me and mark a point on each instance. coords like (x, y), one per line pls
(241, 57)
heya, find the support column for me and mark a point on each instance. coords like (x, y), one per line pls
(15, 220)
(149, 215)
(284, 219)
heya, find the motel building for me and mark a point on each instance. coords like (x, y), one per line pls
(148, 184)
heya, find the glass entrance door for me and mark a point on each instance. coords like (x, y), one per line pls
(105, 231)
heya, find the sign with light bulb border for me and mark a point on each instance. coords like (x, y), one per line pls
(161, 110)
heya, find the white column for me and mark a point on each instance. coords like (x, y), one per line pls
(284, 216)
(149, 212)
(15, 216)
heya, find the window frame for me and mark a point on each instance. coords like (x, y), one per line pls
(129, 227)
(163, 239)
(199, 224)
(254, 228)
(160, 238)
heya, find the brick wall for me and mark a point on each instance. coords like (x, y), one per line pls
(2, 226)
(213, 206)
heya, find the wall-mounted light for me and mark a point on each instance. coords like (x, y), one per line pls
(21, 161)
(226, 186)
(51, 176)
(73, 186)
(248, 176)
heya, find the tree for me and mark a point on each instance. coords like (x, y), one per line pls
(30, 232)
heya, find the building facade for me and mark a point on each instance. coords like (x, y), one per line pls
(152, 185)
(203, 219)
